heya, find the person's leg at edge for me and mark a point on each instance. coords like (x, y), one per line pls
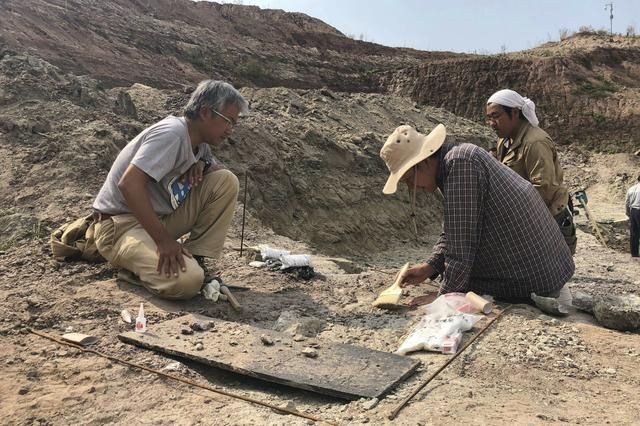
(634, 232)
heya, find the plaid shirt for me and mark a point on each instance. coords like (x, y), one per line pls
(499, 237)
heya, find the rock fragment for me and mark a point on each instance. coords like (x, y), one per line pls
(618, 312)
(310, 353)
(266, 340)
(583, 301)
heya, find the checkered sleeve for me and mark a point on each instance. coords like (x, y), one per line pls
(463, 211)
(437, 255)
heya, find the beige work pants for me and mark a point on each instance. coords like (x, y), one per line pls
(206, 214)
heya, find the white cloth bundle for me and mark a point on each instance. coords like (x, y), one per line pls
(270, 253)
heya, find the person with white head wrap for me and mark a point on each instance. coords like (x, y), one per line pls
(512, 99)
(529, 151)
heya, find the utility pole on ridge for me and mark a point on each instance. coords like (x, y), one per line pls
(609, 6)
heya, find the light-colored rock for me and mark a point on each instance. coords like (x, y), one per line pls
(618, 312)
(369, 404)
(310, 352)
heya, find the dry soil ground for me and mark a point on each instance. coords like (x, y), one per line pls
(529, 368)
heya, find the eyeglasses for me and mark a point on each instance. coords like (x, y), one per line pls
(230, 122)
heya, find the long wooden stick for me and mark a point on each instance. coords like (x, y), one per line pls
(400, 406)
(594, 224)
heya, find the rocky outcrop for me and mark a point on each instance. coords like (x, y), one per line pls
(586, 87)
(171, 43)
(587, 95)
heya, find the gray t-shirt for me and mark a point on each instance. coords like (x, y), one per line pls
(163, 151)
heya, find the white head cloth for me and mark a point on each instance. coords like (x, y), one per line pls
(512, 99)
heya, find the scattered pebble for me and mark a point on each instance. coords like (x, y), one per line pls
(371, 403)
(173, 366)
(199, 346)
(202, 325)
(310, 353)
(290, 405)
(608, 371)
(186, 331)
(266, 340)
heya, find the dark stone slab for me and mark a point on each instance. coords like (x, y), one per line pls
(339, 370)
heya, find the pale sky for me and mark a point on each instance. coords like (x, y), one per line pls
(480, 26)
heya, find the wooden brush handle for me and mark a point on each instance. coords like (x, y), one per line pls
(401, 275)
(232, 300)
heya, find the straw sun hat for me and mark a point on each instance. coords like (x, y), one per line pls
(405, 148)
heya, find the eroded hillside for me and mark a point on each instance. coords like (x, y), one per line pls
(171, 43)
(314, 173)
(586, 88)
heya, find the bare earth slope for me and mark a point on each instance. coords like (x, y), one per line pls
(78, 79)
(170, 43)
(586, 88)
(311, 155)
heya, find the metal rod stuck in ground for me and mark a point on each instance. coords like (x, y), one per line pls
(244, 209)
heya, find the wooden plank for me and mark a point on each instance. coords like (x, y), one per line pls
(340, 370)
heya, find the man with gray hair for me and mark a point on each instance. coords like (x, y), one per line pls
(166, 183)
(530, 152)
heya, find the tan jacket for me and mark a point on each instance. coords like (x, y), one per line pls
(533, 156)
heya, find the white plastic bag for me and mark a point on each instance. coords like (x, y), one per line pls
(295, 260)
(267, 252)
(440, 329)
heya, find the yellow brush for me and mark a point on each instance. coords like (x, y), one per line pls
(390, 297)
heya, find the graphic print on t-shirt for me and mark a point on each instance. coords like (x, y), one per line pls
(178, 189)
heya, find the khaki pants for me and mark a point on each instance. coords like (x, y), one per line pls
(206, 214)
